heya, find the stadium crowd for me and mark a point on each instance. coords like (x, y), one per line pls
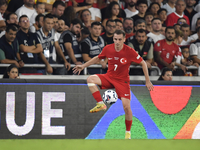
(166, 33)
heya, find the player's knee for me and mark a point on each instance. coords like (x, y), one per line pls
(91, 79)
(127, 108)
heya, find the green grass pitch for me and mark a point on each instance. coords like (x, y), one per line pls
(81, 144)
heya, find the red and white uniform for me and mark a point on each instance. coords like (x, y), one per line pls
(173, 19)
(117, 75)
(167, 52)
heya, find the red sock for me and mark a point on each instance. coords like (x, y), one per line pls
(97, 96)
(128, 125)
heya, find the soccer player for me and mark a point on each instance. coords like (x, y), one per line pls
(120, 57)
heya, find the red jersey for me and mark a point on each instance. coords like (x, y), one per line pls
(173, 19)
(119, 62)
(167, 52)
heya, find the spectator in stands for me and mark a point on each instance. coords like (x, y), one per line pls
(104, 10)
(194, 48)
(143, 47)
(9, 47)
(148, 18)
(156, 33)
(29, 46)
(159, 2)
(46, 36)
(95, 12)
(13, 5)
(179, 37)
(12, 72)
(187, 60)
(170, 6)
(55, 22)
(128, 26)
(86, 18)
(177, 26)
(12, 18)
(194, 22)
(70, 14)
(140, 24)
(185, 28)
(112, 12)
(119, 24)
(162, 15)
(131, 10)
(166, 52)
(163, 29)
(69, 44)
(92, 46)
(84, 34)
(40, 9)
(3, 7)
(182, 21)
(110, 29)
(153, 8)
(2, 22)
(166, 75)
(38, 23)
(27, 9)
(142, 8)
(179, 13)
(194, 37)
(189, 10)
(61, 59)
(58, 8)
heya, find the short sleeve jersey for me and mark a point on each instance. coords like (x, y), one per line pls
(167, 52)
(119, 62)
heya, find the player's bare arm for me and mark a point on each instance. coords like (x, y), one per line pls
(79, 68)
(149, 85)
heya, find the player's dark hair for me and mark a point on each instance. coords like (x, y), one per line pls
(140, 31)
(77, 21)
(163, 73)
(118, 32)
(109, 20)
(22, 16)
(169, 27)
(12, 27)
(37, 18)
(9, 69)
(160, 10)
(57, 3)
(96, 23)
(141, 2)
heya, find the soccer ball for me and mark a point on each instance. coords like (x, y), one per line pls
(110, 97)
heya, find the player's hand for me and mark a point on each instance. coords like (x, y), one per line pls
(78, 69)
(149, 85)
(67, 65)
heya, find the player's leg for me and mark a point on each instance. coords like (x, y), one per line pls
(92, 82)
(128, 116)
